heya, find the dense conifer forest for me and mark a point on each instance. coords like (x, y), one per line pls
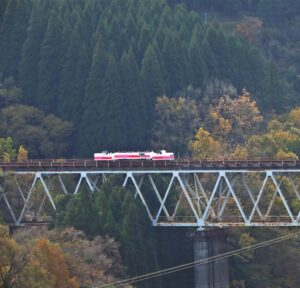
(101, 64)
(201, 78)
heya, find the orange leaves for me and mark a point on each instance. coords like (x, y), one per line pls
(249, 28)
(22, 154)
(9, 251)
(242, 112)
(52, 260)
(236, 124)
(27, 266)
(66, 258)
(232, 121)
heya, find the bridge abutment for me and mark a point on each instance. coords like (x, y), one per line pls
(208, 243)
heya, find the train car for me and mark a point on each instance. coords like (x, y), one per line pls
(156, 156)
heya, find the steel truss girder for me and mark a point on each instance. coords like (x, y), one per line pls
(197, 202)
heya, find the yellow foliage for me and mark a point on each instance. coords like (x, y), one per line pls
(214, 116)
(22, 154)
(240, 153)
(274, 125)
(232, 121)
(3, 231)
(284, 138)
(204, 146)
(295, 116)
(225, 125)
(281, 154)
(6, 157)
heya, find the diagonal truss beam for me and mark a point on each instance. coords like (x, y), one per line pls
(259, 196)
(282, 197)
(200, 204)
(221, 211)
(235, 198)
(250, 194)
(141, 196)
(158, 195)
(164, 199)
(187, 196)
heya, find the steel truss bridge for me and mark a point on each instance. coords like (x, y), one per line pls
(205, 193)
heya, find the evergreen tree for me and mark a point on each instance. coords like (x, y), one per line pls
(114, 215)
(90, 15)
(143, 41)
(82, 71)
(219, 46)
(274, 87)
(91, 125)
(123, 43)
(134, 104)
(255, 75)
(174, 62)
(81, 213)
(113, 114)
(152, 80)
(13, 35)
(101, 200)
(50, 65)
(69, 100)
(239, 63)
(133, 242)
(130, 25)
(114, 30)
(111, 226)
(159, 36)
(115, 201)
(209, 59)
(197, 65)
(3, 5)
(137, 241)
(28, 74)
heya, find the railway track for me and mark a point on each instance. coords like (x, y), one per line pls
(90, 164)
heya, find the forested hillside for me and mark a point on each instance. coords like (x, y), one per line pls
(200, 78)
(101, 64)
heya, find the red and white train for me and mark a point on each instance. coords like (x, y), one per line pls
(162, 155)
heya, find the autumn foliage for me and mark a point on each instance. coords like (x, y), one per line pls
(204, 145)
(249, 28)
(51, 260)
(36, 264)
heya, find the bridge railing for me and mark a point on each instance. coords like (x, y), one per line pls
(58, 164)
(226, 220)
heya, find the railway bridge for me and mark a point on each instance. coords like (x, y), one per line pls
(206, 193)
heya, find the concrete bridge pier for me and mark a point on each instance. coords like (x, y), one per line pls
(215, 274)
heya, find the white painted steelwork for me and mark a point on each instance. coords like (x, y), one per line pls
(183, 197)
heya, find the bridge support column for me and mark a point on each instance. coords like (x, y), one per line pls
(214, 274)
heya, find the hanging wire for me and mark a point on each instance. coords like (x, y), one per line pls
(199, 262)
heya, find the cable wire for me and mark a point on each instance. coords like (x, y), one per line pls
(199, 262)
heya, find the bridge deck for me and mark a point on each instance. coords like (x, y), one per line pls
(261, 192)
(90, 164)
